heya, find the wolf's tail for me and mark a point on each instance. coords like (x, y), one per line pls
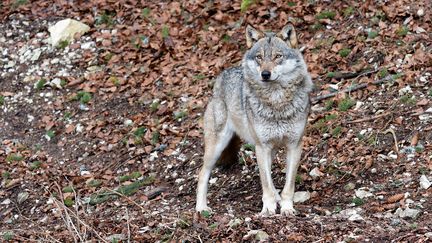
(229, 155)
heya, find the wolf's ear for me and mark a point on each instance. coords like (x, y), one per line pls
(252, 36)
(288, 35)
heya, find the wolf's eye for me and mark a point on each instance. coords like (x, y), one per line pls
(259, 57)
(278, 56)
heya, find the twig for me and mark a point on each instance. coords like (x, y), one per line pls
(128, 226)
(67, 219)
(130, 200)
(369, 118)
(350, 89)
(390, 130)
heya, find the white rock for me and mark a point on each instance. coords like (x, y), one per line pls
(56, 83)
(315, 172)
(7, 201)
(301, 196)
(407, 213)
(355, 217)
(213, 180)
(128, 122)
(362, 193)
(79, 128)
(420, 12)
(405, 90)
(87, 45)
(259, 235)
(36, 55)
(424, 182)
(153, 156)
(65, 30)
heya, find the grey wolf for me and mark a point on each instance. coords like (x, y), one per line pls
(265, 102)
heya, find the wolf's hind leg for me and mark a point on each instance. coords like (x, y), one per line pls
(292, 163)
(217, 135)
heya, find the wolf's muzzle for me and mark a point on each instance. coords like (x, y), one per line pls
(265, 75)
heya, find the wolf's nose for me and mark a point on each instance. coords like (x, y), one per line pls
(265, 75)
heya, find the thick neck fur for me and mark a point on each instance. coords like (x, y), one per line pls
(279, 100)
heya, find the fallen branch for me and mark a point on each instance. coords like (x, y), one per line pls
(350, 89)
(390, 130)
(369, 118)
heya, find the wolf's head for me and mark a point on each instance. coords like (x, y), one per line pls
(272, 58)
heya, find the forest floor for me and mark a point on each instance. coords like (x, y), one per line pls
(101, 138)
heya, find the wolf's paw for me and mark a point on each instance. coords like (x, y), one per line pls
(203, 208)
(269, 208)
(288, 211)
(287, 208)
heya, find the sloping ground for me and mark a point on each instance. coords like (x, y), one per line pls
(112, 153)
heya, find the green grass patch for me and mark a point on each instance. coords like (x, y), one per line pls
(63, 44)
(145, 12)
(68, 189)
(154, 106)
(358, 201)
(67, 115)
(205, 214)
(105, 18)
(19, 3)
(348, 11)
(83, 97)
(50, 134)
(6, 175)
(14, 158)
(155, 137)
(40, 84)
(68, 202)
(184, 223)
(382, 73)
(165, 31)
(180, 114)
(337, 131)
(8, 236)
(330, 117)
(402, 31)
(397, 76)
(344, 52)
(408, 100)
(35, 165)
(298, 179)
(249, 147)
(316, 26)
(430, 93)
(329, 104)
(346, 104)
(372, 34)
(140, 131)
(326, 15)
(126, 190)
(213, 226)
(226, 38)
(133, 175)
(245, 4)
(2, 100)
(291, 4)
(198, 77)
(331, 74)
(94, 183)
(114, 80)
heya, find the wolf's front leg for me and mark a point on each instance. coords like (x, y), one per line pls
(270, 195)
(292, 163)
